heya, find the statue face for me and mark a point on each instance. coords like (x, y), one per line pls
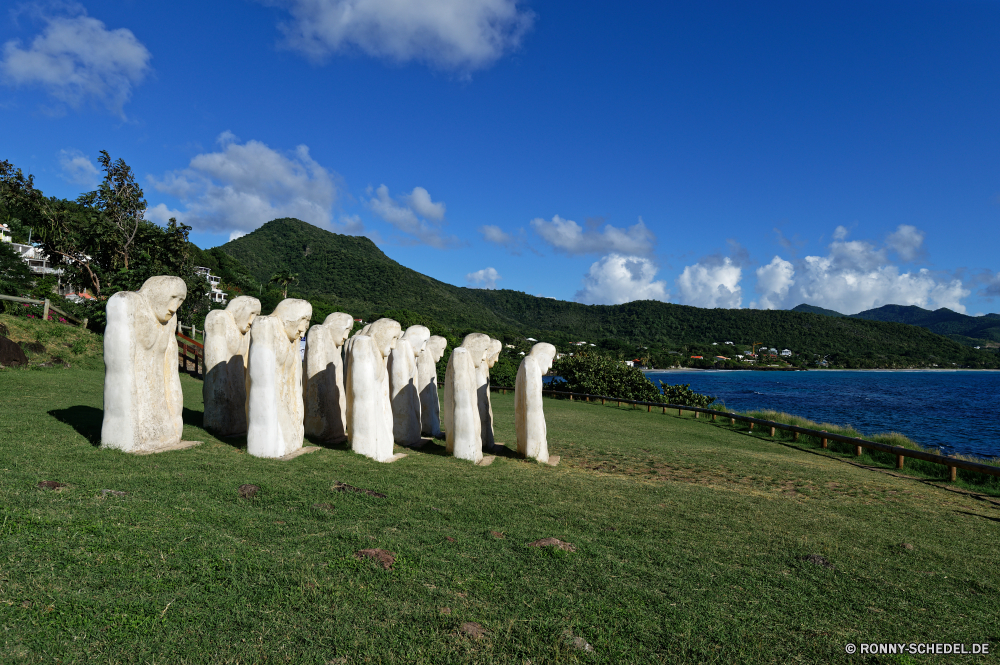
(165, 296)
(296, 328)
(340, 335)
(244, 311)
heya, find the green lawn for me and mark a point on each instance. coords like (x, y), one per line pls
(690, 540)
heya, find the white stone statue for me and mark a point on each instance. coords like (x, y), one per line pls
(403, 381)
(529, 416)
(369, 409)
(274, 380)
(480, 349)
(485, 405)
(142, 391)
(430, 418)
(323, 379)
(463, 432)
(227, 347)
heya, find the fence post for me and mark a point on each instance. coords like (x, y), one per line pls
(795, 436)
(713, 416)
(678, 413)
(649, 407)
(772, 431)
(751, 427)
(823, 443)
(952, 473)
(857, 451)
(571, 397)
(84, 324)
(732, 421)
(664, 410)
(696, 414)
(899, 461)
(45, 311)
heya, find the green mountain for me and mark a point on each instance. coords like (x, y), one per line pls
(813, 309)
(349, 273)
(968, 330)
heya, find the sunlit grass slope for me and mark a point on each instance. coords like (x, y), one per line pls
(690, 543)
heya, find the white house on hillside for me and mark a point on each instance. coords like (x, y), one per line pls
(215, 294)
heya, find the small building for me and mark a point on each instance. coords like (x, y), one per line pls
(215, 294)
(5, 234)
(786, 352)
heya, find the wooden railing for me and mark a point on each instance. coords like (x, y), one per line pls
(46, 308)
(953, 463)
(189, 350)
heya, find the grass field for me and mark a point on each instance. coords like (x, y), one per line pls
(690, 542)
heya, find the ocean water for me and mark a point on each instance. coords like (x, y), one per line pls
(956, 411)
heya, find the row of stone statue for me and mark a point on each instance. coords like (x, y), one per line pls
(374, 389)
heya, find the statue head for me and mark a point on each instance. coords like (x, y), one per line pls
(165, 294)
(478, 345)
(544, 354)
(384, 334)
(244, 310)
(294, 315)
(436, 346)
(340, 325)
(417, 336)
(496, 346)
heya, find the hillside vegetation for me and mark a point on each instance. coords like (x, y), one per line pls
(969, 330)
(351, 274)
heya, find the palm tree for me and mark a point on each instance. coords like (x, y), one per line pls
(283, 280)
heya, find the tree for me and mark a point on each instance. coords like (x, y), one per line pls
(284, 279)
(120, 198)
(15, 277)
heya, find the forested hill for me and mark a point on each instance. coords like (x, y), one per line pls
(351, 274)
(960, 327)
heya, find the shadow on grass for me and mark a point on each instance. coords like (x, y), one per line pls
(985, 517)
(194, 418)
(86, 420)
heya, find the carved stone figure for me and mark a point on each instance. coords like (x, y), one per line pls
(403, 385)
(463, 433)
(430, 415)
(274, 380)
(369, 409)
(480, 349)
(529, 416)
(142, 390)
(323, 379)
(227, 347)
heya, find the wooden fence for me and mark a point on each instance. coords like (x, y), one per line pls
(825, 437)
(46, 308)
(189, 350)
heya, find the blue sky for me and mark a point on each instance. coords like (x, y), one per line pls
(723, 154)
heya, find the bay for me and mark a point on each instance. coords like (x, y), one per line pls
(954, 411)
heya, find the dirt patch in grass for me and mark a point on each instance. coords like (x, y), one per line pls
(383, 557)
(50, 485)
(473, 630)
(553, 542)
(818, 560)
(248, 491)
(344, 487)
(325, 507)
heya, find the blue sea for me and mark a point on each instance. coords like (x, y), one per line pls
(956, 411)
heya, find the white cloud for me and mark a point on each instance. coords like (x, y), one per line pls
(616, 279)
(76, 59)
(990, 285)
(774, 280)
(712, 282)
(78, 169)
(457, 35)
(855, 276)
(488, 277)
(907, 241)
(414, 214)
(568, 236)
(247, 184)
(236, 235)
(514, 243)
